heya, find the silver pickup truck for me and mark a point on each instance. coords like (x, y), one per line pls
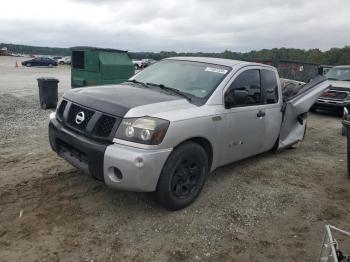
(171, 124)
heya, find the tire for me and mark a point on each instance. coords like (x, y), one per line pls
(136, 67)
(183, 176)
(61, 63)
(28, 64)
(50, 65)
(343, 131)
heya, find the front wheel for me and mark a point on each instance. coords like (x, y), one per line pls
(182, 177)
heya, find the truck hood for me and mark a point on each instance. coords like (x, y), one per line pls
(340, 84)
(119, 99)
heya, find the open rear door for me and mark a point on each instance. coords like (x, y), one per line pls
(295, 109)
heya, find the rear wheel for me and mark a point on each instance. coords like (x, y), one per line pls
(28, 64)
(182, 177)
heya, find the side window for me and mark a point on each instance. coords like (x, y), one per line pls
(245, 90)
(269, 86)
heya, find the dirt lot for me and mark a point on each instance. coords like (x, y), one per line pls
(272, 207)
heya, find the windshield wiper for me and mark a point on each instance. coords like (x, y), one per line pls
(137, 82)
(174, 90)
(331, 78)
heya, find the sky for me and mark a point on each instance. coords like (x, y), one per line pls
(177, 25)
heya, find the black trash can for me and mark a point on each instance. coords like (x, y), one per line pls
(346, 124)
(48, 89)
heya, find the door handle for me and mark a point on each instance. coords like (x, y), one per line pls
(261, 114)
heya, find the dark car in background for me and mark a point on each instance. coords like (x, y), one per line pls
(40, 61)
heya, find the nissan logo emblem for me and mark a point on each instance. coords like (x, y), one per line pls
(80, 117)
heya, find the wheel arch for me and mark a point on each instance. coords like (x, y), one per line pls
(205, 144)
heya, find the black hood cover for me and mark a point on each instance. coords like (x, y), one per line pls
(116, 99)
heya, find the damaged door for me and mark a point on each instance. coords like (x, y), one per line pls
(295, 109)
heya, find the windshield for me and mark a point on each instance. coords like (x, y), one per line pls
(198, 80)
(342, 74)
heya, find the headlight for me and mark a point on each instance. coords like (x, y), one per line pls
(52, 115)
(144, 130)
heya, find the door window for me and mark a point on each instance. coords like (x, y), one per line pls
(269, 86)
(245, 90)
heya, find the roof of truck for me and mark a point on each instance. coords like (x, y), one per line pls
(342, 66)
(217, 61)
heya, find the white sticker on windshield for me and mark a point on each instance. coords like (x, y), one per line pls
(216, 70)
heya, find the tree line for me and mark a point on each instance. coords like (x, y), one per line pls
(333, 56)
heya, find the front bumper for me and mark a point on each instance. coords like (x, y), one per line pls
(119, 166)
(329, 104)
(83, 153)
(139, 168)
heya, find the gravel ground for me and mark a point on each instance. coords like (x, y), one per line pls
(271, 207)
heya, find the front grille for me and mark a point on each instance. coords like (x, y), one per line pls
(105, 125)
(100, 124)
(333, 94)
(61, 108)
(72, 115)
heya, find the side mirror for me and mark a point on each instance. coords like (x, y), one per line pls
(236, 98)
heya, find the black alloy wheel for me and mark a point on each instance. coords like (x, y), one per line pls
(183, 176)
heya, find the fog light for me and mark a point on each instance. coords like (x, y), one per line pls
(115, 175)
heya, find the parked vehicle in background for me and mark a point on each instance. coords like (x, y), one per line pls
(40, 61)
(56, 58)
(323, 69)
(17, 55)
(143, 63)
(148, 62)
(138, 64)
(171, 124)
(65, 60)
(338, 95)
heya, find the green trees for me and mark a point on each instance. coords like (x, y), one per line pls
(334, 56)
(26, 49)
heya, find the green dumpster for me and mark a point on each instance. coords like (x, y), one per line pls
(99, 66)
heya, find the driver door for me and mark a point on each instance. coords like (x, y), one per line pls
(244, 117)
(295, 110)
